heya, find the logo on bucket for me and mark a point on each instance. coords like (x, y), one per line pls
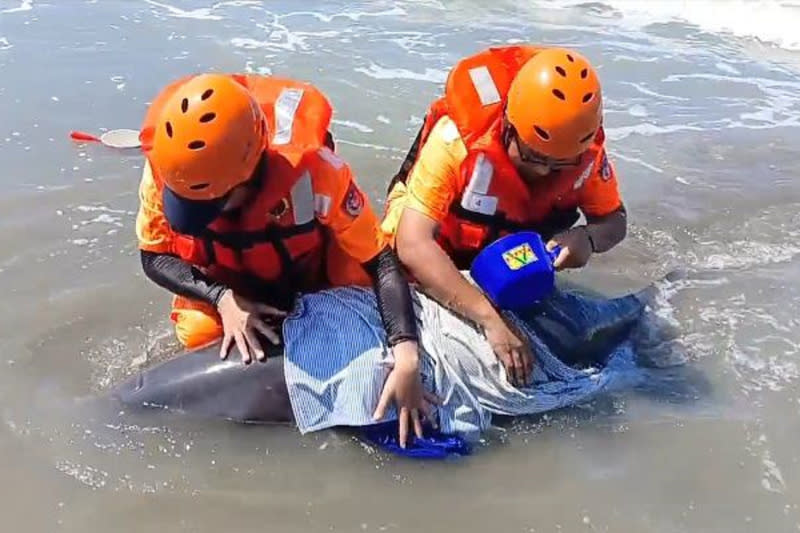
(519, 256)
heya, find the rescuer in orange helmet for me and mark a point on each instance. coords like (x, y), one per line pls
(516, 143)
(244, 204)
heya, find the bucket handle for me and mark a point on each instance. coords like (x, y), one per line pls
(553, 254)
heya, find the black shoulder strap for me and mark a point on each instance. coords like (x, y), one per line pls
(408, 162)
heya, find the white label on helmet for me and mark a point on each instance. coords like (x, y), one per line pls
(303, 200)
(475, 197)
(285, 108)
(484, 85)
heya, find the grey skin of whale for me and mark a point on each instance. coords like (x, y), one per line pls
(200, 383)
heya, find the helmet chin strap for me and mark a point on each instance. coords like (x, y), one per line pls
(253, 184)
(508, 131)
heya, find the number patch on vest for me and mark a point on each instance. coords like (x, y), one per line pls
(353, 201)
(480, 203)
(519, 256)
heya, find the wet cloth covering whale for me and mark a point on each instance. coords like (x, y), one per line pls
(337, 359)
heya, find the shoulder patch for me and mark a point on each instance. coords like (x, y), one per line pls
(605, 168)
(354, 200)
(331, 157)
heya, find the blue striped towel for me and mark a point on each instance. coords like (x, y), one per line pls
(337, 359)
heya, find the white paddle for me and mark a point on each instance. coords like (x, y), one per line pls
(121, 138)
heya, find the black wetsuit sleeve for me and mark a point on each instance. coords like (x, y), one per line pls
(394, 297)
(179, 277)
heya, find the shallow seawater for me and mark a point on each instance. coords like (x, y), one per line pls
(703, 120)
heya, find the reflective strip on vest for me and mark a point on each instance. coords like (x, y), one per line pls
(285, 109)
(475, 198)
(583, 177)
(303, 200)
(322, 204)
(331, 158)
(484, 85)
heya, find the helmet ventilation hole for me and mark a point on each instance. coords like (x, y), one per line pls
(561, 71)
(558, 94)
(208, 117)
(584, 73)
(570, 58)
(197, 145)
(587, 97)
(207, 94)
(185, 105)
(169, 130)
(541, 133)
(199, 186)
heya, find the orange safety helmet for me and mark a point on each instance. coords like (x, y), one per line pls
(555, 103)
(208, 138)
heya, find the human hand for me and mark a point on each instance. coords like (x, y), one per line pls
(513, 350)
(404, 386)
(241, 319)
(576, 248)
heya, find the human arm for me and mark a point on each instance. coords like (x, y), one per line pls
(396, 309)
(607, 231)
(598, 235)
(179, 277)
(356, 229)
(241, 318)
(438, 276)
(432, 186)
(606, 218)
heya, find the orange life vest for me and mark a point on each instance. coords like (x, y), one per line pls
(274, 241)
(494, 200)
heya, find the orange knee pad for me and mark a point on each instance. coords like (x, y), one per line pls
(196, 323)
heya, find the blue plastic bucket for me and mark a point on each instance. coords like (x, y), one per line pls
(516, 271)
